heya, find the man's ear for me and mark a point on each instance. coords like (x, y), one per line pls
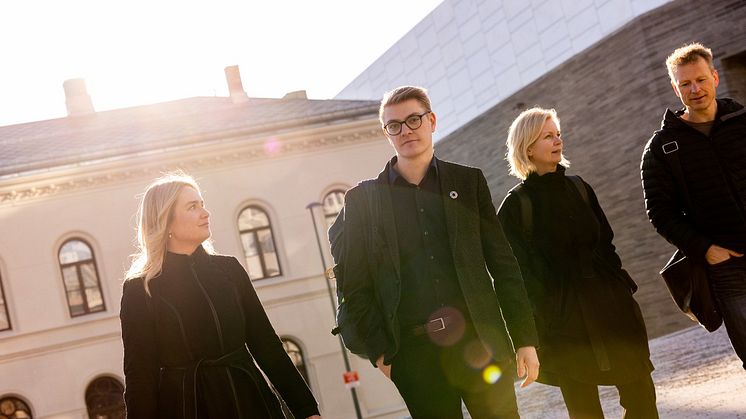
(716, 77)
(676, 90)
(433, 119)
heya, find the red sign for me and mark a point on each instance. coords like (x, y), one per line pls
(351, 379)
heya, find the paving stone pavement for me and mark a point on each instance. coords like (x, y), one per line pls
(697, 375)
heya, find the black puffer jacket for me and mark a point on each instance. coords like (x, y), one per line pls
(714, 170)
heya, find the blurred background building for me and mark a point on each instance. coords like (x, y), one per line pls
(68, 195)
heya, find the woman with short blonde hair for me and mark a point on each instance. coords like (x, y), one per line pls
(192, 324)
(523, 133)
(590, 327)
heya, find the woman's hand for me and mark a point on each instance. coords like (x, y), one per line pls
(314, 417)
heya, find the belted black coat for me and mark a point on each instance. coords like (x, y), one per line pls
(189, 347)
(487, 271)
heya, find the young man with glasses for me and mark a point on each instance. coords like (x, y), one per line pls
(431, 283)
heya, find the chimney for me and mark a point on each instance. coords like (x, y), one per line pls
(298, 94)
(77, 100)
(235, 87)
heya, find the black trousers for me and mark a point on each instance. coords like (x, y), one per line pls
(728, 283)
(637, 398)
(434, 379)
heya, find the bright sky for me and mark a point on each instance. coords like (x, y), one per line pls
(137, 52)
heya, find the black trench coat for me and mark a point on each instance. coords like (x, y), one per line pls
(590, 327)
(185, 346)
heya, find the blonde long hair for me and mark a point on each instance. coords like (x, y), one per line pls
(523, 133)
(153, 223)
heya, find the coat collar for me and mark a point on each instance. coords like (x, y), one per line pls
(727, 109)
(199, 256)
(393, 174)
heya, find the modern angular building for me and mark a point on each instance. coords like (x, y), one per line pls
(599, 63)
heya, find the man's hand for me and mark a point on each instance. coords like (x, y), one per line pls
(314, 417)
(385, 369)
(528, 364)
(716, 254)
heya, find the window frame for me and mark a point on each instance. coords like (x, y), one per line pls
(81, 282)
(285, 340)
(254, 232)
(23, 400)
(118, 382)
(4, 299)
(328, 217)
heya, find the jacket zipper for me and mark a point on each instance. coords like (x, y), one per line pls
(212, 308)
(728, 179)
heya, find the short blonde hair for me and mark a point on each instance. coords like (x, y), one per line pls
(523, 133)
(686, 55)
(403, 94)
(153, 222)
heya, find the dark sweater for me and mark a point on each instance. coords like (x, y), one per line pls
(590, 327)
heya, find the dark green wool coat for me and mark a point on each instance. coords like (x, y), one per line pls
(487, 271)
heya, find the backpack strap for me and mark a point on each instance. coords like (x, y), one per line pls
(373, 204)
(526, 211)
(578, 182)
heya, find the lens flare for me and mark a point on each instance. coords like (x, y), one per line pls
(476, 355)
(272, 145)
(491, 374)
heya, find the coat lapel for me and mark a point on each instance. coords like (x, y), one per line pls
(449, 192)
(387, 219)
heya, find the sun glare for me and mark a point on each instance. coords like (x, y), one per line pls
(139, 52)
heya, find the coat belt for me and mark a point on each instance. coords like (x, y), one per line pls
(238, 359)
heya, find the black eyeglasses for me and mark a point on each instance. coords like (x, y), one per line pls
(412, 121)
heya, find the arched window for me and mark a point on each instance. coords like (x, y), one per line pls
(4, 317)
(334, 201)
(296, 355)
(104, 399)
(258, 243)
(14, 408)
(80, 275)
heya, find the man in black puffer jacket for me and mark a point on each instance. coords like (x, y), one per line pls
(707, 139)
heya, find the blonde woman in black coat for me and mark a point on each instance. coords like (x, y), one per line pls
(591, 331)
(192, 324)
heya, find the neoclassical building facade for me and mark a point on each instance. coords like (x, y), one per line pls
(69, 189)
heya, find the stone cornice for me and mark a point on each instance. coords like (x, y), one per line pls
(23, 187)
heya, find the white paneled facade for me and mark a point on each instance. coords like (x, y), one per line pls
(472, 54)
